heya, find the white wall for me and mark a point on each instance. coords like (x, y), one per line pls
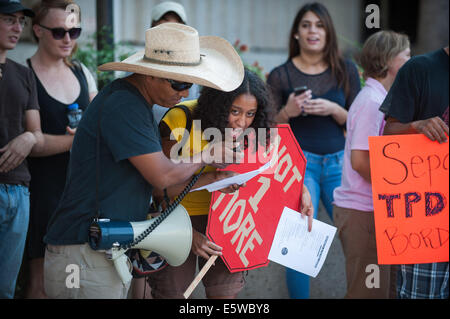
(261, 24)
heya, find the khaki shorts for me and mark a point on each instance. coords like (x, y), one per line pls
(78, 272)
(356, 230)
(172, 282)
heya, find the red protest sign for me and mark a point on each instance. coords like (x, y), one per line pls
(244, 223)
(410, 196)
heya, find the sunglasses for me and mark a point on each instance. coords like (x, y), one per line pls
(179, 86)
(60, 33)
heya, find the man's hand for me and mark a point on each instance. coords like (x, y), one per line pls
(15, 152)
(434, 128)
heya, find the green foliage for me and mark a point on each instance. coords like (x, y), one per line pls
(360, 71)
(255, 67)
(357, 47)
(90, 56)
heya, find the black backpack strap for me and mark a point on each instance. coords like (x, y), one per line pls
(188, 127)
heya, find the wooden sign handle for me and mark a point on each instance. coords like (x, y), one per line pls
(199, 276)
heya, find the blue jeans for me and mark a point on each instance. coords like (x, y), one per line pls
(322, 176)
(14, 216)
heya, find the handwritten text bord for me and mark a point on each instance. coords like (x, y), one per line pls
(410, 196)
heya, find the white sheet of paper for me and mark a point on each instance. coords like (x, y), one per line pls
(294, 247)
(238, 179)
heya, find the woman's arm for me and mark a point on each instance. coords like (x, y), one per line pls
(361, 164)
(46, 145)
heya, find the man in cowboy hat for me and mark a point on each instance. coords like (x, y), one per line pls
(165, 12)
(129, 160)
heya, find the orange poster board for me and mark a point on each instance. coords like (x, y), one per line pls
(410, 198)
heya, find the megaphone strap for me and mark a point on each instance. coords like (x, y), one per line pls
(164, 214)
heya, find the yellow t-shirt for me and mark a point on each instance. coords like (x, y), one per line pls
(196, 203)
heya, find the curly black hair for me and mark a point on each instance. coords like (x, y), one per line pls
(214, 106)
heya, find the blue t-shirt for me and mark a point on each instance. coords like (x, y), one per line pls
(127, 129)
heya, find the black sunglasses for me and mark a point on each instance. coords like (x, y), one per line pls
(60, 33)
(179, 86)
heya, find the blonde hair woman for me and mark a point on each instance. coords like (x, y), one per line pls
(61, 82)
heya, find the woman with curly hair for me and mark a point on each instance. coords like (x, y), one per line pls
(249, 106)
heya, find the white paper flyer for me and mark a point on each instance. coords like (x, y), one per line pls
(238, 179)
(294, 247)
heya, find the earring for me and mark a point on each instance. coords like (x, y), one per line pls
(296, 37)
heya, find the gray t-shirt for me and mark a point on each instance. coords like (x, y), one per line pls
(18, 94)
(127, 129)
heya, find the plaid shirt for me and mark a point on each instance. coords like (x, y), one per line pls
(423, 281)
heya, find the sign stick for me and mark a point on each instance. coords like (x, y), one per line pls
(199, 277)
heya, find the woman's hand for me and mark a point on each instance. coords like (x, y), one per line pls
(219, 175)
(220, 155)
(307, 207)
(202, 247)
(296, 103)
(320, 107)
(324, 107)
(71, 131)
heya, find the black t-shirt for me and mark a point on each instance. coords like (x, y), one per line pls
(316, 134)
(420, 90)
(127, 129)
(17, 95)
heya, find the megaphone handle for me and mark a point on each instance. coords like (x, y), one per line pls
(199, 277)
(121, 264)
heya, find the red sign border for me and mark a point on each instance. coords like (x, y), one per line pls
(266, 263)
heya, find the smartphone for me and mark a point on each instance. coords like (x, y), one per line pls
(300, 90)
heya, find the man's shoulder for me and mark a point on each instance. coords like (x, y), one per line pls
(22, 69)
(120, 92)
(425, 61)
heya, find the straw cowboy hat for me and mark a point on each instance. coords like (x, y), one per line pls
(175, 51)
